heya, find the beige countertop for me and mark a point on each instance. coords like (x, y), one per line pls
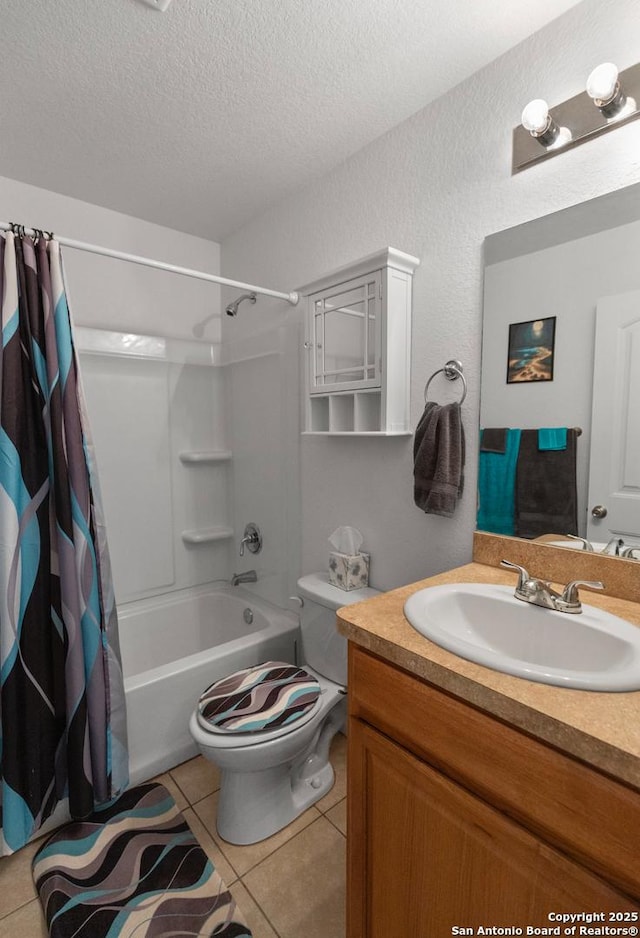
(602, 729)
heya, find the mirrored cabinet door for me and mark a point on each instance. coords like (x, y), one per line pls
(345, 336)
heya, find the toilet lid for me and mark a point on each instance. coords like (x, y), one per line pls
(265, 697)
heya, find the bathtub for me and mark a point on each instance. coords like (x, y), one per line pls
(173, 646)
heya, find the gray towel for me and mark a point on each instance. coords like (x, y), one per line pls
(438, 459)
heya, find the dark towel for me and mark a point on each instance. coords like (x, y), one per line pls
(546, 491)
(493, 440)
(438, 459)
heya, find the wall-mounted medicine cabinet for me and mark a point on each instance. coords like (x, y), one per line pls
(358, 346)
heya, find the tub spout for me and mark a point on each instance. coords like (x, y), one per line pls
(249, 577)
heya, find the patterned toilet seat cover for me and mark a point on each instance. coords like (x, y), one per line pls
(264, 697)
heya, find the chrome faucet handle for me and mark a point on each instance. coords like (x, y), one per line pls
(586, 545)
(524, 576)
(252, 538)
(570, 599)
(629, 551)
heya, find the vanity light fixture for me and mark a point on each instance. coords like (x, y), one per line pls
(605, 90)
(537, 120)
(542, 127)
(610, 100)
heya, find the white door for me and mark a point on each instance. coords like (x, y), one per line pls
(614, 476)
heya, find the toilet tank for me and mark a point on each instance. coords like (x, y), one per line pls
(323, 648)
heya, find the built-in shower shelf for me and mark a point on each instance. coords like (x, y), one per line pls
(207, 535)
(199, 457)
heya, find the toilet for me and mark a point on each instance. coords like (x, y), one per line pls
(269, 728)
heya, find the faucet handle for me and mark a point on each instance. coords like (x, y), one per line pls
(524, 576)
(570, 597)
(252, 538)
(586, 545)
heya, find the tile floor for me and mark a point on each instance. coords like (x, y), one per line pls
(290, 885)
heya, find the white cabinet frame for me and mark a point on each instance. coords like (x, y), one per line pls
(367, 393)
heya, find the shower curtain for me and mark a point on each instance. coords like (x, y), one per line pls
(62, 710)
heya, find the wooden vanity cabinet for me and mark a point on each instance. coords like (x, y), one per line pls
(457, 820)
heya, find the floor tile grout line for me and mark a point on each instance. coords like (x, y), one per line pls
(21, 906)
(263, 912)
(268, 856)
(183, 792)
(220, 847)
(236, 875)
(213, 838)
(335, 825)
(332, 806)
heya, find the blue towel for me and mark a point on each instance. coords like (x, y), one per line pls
(496, 487)
(552, 438)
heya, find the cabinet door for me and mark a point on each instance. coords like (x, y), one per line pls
(344, 336)
(426, 857)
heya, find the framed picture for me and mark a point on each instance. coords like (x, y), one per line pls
(531, 346)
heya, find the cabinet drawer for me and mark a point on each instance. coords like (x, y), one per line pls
(584, 813)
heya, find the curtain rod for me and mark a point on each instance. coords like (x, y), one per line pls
(161, 265)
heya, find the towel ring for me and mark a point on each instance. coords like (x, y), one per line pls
(452, 371)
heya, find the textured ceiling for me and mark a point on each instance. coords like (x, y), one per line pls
(201, 117)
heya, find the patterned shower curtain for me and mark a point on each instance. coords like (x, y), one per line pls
(62, 711)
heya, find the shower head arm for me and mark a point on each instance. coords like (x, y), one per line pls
(232, 308)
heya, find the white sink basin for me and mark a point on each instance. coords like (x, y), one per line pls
(487, 624)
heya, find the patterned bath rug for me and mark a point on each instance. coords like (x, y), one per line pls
(133, 870)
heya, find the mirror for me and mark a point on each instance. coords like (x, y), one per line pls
(563, 266)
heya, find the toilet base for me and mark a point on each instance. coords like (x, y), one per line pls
(254, 805)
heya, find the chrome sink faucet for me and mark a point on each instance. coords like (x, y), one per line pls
(614, 547)
(540, 592)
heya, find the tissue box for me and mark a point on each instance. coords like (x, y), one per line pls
(348, 571)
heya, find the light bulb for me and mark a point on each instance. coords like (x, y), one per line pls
(602, 82)
(535, 117)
